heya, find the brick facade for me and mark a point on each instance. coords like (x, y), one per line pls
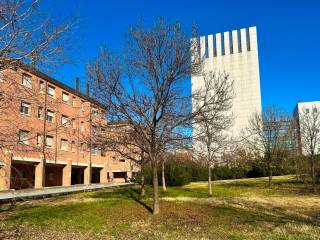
(58, 147)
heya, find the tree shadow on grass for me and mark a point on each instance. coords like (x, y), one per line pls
(252, 212)
(122, 194)
(137, 199)
(197, 192)
(285, 188)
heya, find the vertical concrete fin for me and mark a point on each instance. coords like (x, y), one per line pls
(253, 38)
(243, 36)
(210, 46)
(218, 44)
(235, 41)
(203, 47)
(226, 43)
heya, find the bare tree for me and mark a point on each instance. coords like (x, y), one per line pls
(147, 88)
(210, 127)
(29, 37)
(310, 137)
(267, 136)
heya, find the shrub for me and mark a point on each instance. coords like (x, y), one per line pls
(179, 171)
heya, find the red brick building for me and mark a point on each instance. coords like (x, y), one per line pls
(48, 129)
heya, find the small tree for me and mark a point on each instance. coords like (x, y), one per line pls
(163, 176)
(310, 137)
(210, 127)
(266, 135)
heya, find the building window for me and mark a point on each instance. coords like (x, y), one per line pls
(64, 120)
(40, 112)
(25, 108)
(51, 91)
(94, 150)
(73, 123)
(94, 130)
(2, 77)
(103, 153)
(50, 116)
(24, 137)
(83, 147)
(315, 110)
(94, 111)
(122, 160)
(26, 81)
(64, 144)
(82, 105)
(39, 139)
(65, 97)
(49, 141)
(307, 110)
(74, 104)
(82, 127)
(73, 146)
(42, 87)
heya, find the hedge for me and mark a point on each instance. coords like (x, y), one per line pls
(179, 172)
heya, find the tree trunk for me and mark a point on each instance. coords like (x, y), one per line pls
(142, 190)
(209, 180)
(313, 174)
(163, 178)
(296, 168)
(270, 174)
(156, 208)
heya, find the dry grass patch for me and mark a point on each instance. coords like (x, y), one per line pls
(242, 209)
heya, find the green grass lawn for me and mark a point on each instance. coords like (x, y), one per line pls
(239, 209)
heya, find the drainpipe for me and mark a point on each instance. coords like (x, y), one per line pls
(44, 136)
(78, 119)
(56, 145)
(90, 143)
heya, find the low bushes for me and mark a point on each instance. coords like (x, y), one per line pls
(179, 172)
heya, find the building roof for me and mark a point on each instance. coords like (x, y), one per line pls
(61, 85)
(308, 102)
(119, 122)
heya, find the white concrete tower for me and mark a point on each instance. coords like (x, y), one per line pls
(236, 53)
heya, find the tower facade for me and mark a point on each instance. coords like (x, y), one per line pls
(301, 112)
(235, 53)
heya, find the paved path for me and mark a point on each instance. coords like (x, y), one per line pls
(20, 195)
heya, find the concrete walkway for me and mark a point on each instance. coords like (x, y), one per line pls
(21, 195)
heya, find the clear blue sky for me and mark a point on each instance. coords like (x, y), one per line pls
(288, 36)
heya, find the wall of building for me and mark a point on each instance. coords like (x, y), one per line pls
(235, 53)
(301, 109)
(78, 131)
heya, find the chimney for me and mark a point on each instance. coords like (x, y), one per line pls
(87, 89)
(77, 85)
